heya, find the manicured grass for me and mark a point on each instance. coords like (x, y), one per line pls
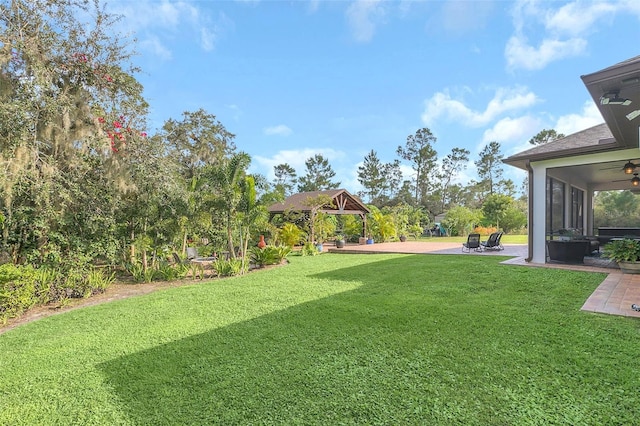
(334, 339)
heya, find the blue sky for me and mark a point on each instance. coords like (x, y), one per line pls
(291, 78)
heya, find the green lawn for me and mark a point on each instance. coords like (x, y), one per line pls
(334, 339)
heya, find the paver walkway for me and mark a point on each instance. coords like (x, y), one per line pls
(614, 295)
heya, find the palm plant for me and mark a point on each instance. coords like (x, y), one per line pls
(226, 190)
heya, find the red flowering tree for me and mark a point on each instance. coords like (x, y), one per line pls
(72, 120)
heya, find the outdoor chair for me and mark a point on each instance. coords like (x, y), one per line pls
(178, 260)
(473, 242)
(493, 243)
(192, 253)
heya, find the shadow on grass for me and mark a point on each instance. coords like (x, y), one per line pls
(409, 346)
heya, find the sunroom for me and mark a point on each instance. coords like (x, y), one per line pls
(564, 174)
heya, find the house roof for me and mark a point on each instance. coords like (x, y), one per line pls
(594, 139)
(343, 203)
(622, 79)
(617, 133)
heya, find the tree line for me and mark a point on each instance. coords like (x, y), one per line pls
(433, 188)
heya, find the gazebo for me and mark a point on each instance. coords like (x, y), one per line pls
(341, 202)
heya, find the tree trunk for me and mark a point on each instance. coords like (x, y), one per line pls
(184, 241)
(244, 250)
(132, 248)
(144, 249)
(230, 238)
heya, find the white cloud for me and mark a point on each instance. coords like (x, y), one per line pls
(460, 17)
(559, 32)
(157, 24)
(519, 54)
(578, 17)
(313, 6)
(363, 16)
(154, 45)
(568, 124)
(207, 39)
(279, 130)
(510, 130)
(572, 123)
(144, 15)
(504, 100)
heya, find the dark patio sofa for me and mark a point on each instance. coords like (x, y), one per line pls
(605, 234)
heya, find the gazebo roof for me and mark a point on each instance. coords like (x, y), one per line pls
(344, 203)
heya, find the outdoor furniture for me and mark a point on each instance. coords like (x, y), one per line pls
(473, 242)
(192, 256)
(178, 260)
(493, 243)
(608, 233)
(567, 251)
(594, 243)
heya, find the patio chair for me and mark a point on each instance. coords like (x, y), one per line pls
(473, 242)
(193, 256)
(192, 253)
(178, 260)
(493, 243)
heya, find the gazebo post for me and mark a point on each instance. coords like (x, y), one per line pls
(363, 216)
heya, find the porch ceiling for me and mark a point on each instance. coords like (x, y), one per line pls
(598, 176)
(624, 80)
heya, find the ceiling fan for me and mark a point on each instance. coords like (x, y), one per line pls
(635, 180)
(628, 168)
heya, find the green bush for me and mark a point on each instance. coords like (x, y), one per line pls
(291, 235)
(283, 252)
(76, 285)
(136, 270)
(269, 255)
(99, 281)
(23, 287)
(169, 272)
(17, 290)
(625, 250)
(45, 281)
(309, 249)
(263, 256)
(227, 268)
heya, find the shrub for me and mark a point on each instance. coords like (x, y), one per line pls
(45, 281)
(196, 269)
(485, 230)
(263, 256)
(269, 255)
(226, 268)
(291, 235)
(168, 272)
(17, 290)
(23, 287)
(626, 250)
(283, 252)
(136, 270)
(75, 284)
(459, 220)
(309, 249)
(99, 281)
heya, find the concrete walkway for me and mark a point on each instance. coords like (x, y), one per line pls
(614, 295)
